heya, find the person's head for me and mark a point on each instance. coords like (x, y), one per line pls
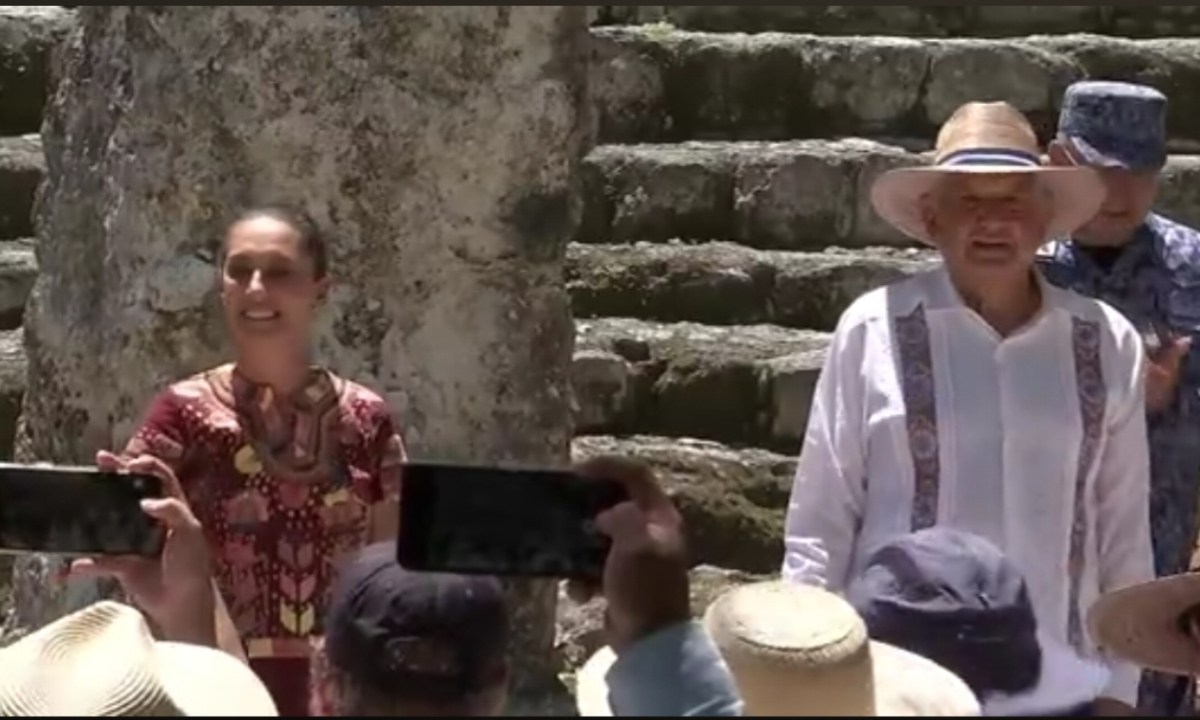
(1119, 129)
(274, 275)
(987, 202)
(103, 660)
(401, 643)
(956, 599)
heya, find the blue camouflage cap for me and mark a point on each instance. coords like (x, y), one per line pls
(1115, 124)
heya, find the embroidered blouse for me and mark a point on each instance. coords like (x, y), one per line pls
(283, 488)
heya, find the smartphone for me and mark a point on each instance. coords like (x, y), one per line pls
(506, 522)
(77, 511)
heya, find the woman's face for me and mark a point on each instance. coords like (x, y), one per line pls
(269, 286)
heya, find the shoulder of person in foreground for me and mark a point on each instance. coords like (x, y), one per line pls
(674, 672)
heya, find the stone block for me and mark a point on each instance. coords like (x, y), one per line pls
(743, 385)
(733, 502)
(28, 37)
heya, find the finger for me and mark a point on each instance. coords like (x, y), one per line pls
(627, 525)
(108, 462)
(118, 567)
(150, 465)
(637, 477)
(172, 513)
(581, 591)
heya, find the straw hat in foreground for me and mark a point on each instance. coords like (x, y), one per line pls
(104, 661)
(1150, 624)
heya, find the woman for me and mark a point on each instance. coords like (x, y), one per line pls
(286, 465)
(980, 397)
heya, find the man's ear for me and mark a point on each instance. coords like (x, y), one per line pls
(1058, 154)
(927, 206)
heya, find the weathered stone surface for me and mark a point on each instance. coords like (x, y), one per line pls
(438, 143)
(581, 627)
(918, 21)
(732, 501)
(21, 168)
(775, 86)
(12, 387)
(28, 35)
(723, 283)
(797, 195)
(18, 272)
(745, 385)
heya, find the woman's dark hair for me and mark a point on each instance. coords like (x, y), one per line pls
(312, 240)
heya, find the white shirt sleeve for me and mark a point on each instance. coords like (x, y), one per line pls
(828, 492)
(1123, 508)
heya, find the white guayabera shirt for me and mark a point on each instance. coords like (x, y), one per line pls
(924, 415)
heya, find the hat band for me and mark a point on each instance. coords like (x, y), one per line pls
(995, 157)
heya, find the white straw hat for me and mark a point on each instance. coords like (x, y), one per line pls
(987, 138)
(1145, 625)
(104, 661)
(801, 651)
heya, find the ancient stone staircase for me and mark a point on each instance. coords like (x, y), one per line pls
(726, 222)
(26, 35)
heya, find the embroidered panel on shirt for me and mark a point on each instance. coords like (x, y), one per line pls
(916, 380)
(1089, 380)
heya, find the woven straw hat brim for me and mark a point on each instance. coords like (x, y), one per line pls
(896, 195)
(103, 661)
(1140, 624)
(905, 685)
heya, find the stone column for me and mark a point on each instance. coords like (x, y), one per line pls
(438, 144)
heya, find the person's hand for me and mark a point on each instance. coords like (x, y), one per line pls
(175, 590)
(1162, 372)
(645, 578)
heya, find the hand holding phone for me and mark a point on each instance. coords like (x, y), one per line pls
(174, 588)
(645, 580)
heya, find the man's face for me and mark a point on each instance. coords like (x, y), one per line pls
(1129, 196)
(988, 226)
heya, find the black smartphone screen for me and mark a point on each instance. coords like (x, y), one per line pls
(479, 520)
(77, 511)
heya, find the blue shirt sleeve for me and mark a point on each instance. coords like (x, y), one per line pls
(677, 672)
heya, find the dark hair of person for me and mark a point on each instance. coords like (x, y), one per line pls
(312, 240)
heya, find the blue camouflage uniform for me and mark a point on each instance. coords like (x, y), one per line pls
(1154, 281)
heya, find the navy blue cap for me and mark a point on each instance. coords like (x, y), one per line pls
(1115, 124)
(953, 598)
(421, 635)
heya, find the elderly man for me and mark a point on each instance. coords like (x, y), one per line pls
(979, 396)
(1148, 267)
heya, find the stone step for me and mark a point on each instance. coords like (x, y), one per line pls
(744, 385)
(18, 273)
(12, 387)
(793, 195)
(21, 168)
(722, 283)
(28, 33)
(1132, 20)
(656, 84)
(733, 502)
